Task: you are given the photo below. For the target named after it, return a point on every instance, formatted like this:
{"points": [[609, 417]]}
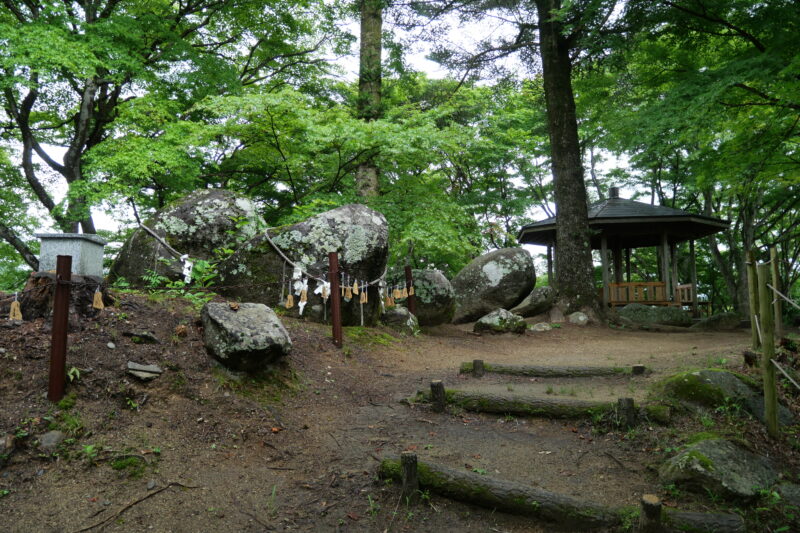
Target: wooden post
{"points": [[673, 254], [550, 281], [477, 368], [638, 370], [617, 260], [604, 266], [768, 352], [752, 294], [693, 273], [626, 410], [628, 265], [412, 299], [776, 282], [665, 264], [650, 517], [336, 299], [58, 343], [438, 400], [409, 477]]}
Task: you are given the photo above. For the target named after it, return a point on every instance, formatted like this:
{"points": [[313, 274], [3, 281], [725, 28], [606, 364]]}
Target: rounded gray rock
{"points": [[401, 320], [196, 225], [435, 298], [361, 236], [499, 279], [539, 301], [248, 338], [500, 321]]}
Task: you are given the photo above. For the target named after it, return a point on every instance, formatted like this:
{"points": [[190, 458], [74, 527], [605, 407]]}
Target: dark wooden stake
{"points": [[627, 412], [437, 395], [410, 479], [477, 368], [650, 518], [777, 303], [752, 296], [638, 370], [412, 299], [58, 344], [768, 352], [336, 299]]}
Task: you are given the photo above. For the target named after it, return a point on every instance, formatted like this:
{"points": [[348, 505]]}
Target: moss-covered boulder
{"points": [[501, 278], [719, 322], [256, 271], [246, 337], [197, 225], [719, 467], [435, 298], [500, 321], [719, 388], [539, 301], [656, 314], [401, 320]]}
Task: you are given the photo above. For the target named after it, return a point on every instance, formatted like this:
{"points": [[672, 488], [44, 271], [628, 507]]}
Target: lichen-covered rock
{"points": [[500, 321], [257, 273], [541, 326], [717, 388], [539, 301], [247, 338], [578, 318], [719, 322], [197, 225], [435, 298], [501, 278], [401, 320], [656, 314], [718, 466]]}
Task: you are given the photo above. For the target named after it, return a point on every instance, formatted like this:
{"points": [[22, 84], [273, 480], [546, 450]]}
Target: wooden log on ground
{"points": [[562, 510], [524, 405], [507, 496], [548, 371]]}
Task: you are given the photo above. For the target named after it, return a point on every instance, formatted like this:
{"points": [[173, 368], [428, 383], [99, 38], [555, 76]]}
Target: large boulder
{"points": [[715, 388], [656, 314], [257, 272], [720, 467], [539, 301], [197, 225], [401, 320], [501, 278], [435, 299], [500, 321], [719, 322], [246, 337]]}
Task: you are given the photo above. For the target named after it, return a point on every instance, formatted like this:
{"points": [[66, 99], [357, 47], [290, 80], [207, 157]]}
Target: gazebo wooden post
{"points": [[693, 265], [617, 256], [550, 280], [604, 266], [628, 265], [673, 254], [665, 263]]}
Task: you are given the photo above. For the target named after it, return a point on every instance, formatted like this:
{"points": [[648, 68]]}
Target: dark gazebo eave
{"points": [[631, 232]]}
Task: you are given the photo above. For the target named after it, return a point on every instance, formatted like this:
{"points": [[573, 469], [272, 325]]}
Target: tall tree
{"points": [[369, 87]]}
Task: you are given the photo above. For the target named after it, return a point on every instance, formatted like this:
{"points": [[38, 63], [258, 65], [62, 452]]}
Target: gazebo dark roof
{"points": [[630, 224]]}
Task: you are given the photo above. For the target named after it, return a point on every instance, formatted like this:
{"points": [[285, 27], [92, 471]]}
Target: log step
{"points": [[551, 371]]}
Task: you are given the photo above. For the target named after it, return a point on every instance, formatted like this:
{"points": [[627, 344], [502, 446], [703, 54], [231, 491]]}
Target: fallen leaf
{"points": [[234, 305], [476, 456], [411, 447], [276, 429], [353, 516]]}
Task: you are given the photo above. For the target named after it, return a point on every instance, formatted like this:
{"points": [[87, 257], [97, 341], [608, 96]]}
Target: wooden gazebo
{"points": [[619, 225]]}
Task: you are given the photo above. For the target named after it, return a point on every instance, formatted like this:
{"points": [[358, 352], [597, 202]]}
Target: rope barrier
{"points": [[778, 366], [779, 293]]}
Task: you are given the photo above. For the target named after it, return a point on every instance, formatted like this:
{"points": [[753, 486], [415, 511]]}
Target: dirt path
{"points": [[251, 458]]}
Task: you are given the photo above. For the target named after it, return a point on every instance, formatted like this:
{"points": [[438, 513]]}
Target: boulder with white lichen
{"points": [[197, 225], [499, 279], [257, 272], [435, 299]]}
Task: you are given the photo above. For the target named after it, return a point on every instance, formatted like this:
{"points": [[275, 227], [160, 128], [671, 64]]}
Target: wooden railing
{"points": [[642, 292]]}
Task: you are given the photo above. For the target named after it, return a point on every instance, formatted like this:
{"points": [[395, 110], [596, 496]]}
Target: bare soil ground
{"points": [[200, 449]]}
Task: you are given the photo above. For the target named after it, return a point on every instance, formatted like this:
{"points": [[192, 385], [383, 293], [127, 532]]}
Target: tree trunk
{"points": [[369, 87], [27, 254], [574, 269]]}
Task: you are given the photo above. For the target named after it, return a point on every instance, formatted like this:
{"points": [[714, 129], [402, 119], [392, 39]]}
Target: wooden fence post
{"points": [[776, 283], [438, 399], [650, 517], [58, 343], [768, 352], [752, 293], [409, 477], [477, 368], [336, 298]]}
